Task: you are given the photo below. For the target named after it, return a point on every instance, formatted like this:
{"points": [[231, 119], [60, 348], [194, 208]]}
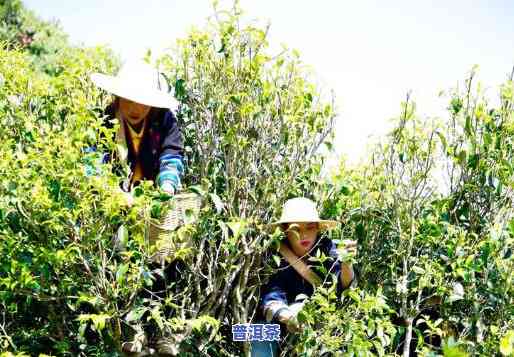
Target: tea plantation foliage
{"points": [[431, 207]]}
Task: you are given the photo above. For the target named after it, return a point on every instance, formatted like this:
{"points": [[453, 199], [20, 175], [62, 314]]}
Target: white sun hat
{"points": [[139, 82], [303, 210]]}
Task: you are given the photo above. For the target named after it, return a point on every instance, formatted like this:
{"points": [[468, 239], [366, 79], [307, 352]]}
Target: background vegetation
{"points": [[431, 207]]}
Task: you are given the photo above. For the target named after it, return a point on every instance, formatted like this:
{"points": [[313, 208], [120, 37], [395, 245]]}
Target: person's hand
{"points": [[347, 250], [350, 246], [288, 318], [293, 325], [168, 188]]}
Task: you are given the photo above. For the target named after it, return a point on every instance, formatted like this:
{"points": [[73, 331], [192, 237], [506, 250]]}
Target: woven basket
{"points": [[183, 208]]}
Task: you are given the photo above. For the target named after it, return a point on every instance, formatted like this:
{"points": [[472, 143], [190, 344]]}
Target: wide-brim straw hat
{"points": [[303, 210], [139, 82]]}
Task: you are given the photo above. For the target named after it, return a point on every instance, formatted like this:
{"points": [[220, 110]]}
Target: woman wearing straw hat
{"points": [[148, 138], [281, 298]]}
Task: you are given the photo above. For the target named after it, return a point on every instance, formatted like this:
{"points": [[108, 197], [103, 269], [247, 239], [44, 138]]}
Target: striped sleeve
{"points": [[171, 169]]}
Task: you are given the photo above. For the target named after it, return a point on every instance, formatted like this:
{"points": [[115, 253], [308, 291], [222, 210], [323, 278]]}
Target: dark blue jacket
{"points": [[286, 283]]}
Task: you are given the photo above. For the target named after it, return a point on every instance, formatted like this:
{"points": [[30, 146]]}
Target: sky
{"points": [[369, 52]]}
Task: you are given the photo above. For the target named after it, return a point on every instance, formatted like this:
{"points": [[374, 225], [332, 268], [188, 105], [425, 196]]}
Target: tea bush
{"points": [[431, 208], [64, 287], [432, 211]]}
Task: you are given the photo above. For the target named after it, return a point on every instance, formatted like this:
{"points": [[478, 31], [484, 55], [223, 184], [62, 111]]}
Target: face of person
{"points": [[133, 112], [302, 236]]}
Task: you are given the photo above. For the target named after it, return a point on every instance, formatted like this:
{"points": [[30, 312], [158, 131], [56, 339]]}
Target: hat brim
{"points": [[149, 97], [324, 225]]}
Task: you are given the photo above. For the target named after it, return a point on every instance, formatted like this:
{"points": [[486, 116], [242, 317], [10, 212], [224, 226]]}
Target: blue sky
{"points": [[369, 52]]}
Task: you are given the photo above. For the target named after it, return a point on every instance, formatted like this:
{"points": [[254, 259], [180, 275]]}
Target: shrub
{"points": [[432, 211], [431, 208], [252, 125]]}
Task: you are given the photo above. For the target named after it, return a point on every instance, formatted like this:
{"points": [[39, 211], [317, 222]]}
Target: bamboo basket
{"points": [[160, 233]]}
